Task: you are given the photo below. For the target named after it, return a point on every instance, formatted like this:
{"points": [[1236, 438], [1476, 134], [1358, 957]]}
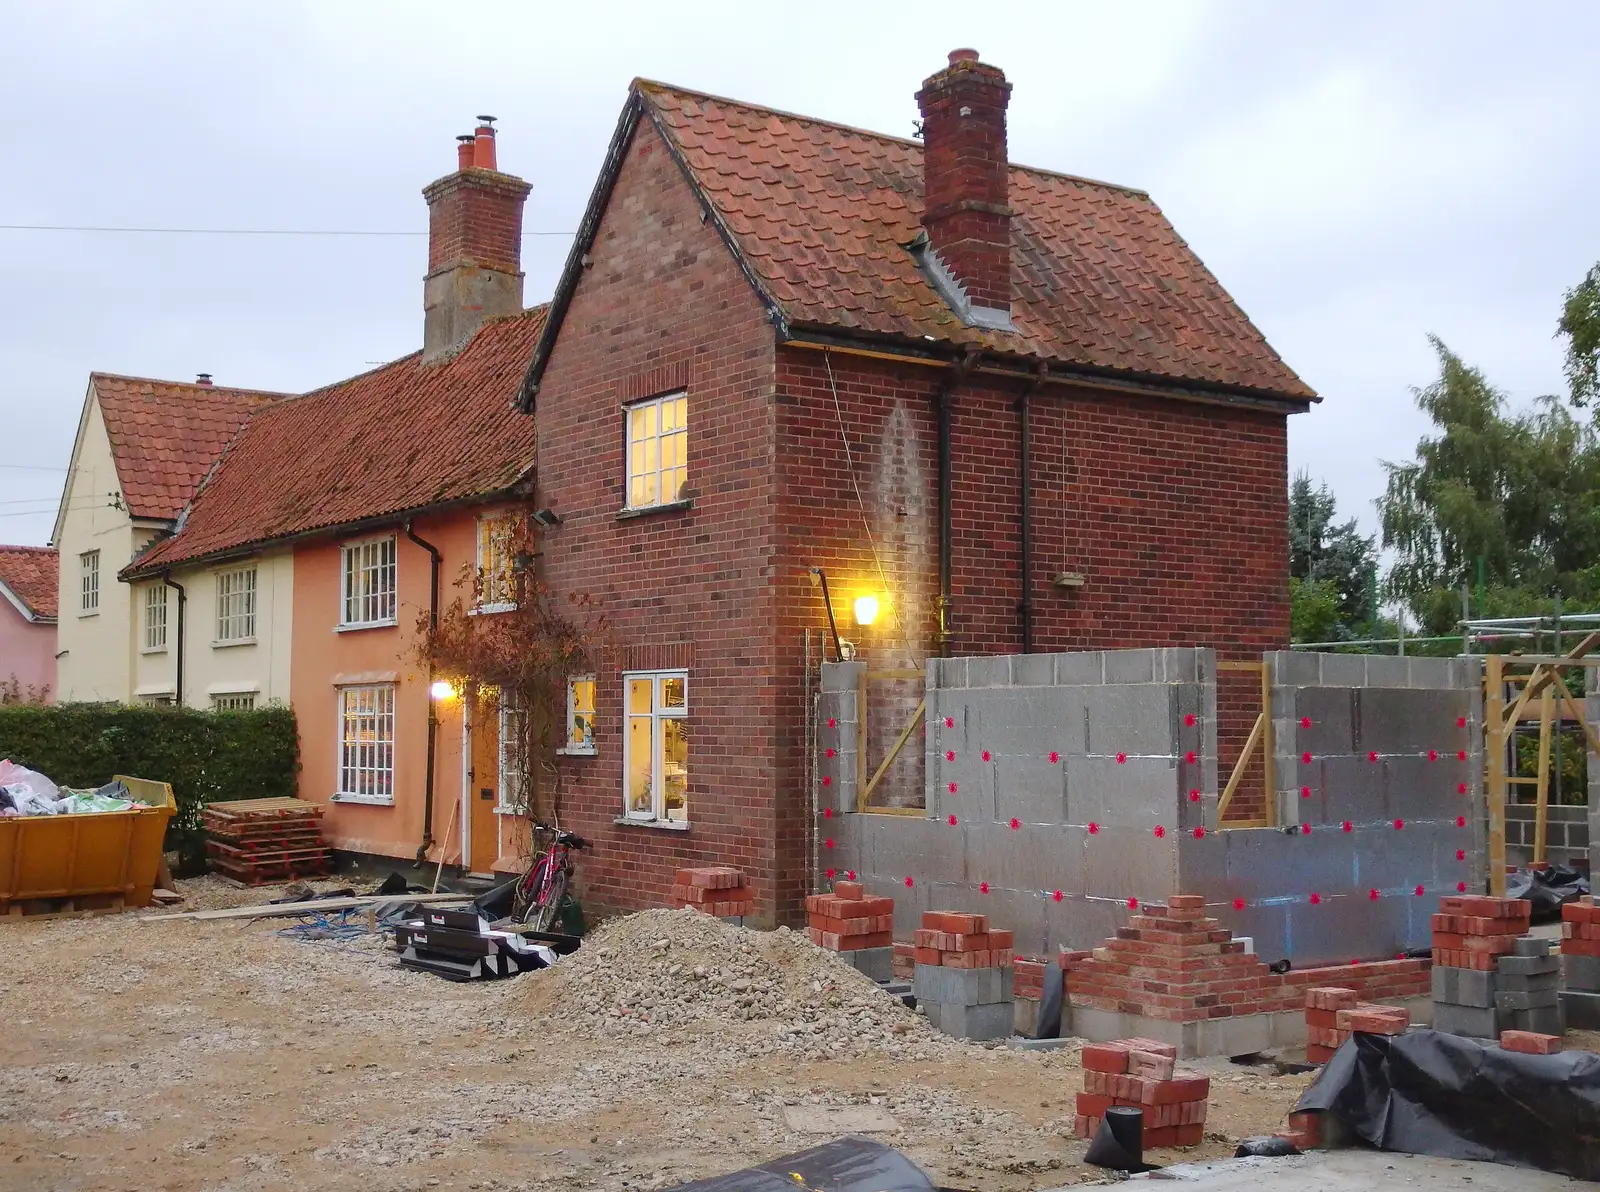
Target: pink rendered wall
{"points": [[27, 650]]}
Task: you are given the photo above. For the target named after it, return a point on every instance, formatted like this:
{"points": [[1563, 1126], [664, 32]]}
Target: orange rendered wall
{"points": [[325, 658]]}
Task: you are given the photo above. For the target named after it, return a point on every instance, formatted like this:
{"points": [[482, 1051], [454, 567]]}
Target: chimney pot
{"points": [[203, 379], [963, 56], [483, 144], [465, 151]]}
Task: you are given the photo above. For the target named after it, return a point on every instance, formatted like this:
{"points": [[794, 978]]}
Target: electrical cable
{"points": [[224, 231], [872, 543]]}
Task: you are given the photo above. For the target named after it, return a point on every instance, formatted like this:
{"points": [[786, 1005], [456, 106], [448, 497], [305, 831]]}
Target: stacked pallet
{"points": [[963, 977], [1333, 1014], [715, 889], [1143, 1074], [257, 842], [1485, 978], [1580, 963], [860, 929]]}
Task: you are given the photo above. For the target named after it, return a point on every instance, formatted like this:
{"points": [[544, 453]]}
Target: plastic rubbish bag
{"points": [[1547, 890], [31, 792]]}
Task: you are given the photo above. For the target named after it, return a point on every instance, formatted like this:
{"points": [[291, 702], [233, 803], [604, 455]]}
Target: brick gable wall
{"points": [[664, 307]]}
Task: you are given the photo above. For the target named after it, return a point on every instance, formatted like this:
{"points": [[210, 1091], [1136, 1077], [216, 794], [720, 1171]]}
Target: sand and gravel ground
{"points": [[224, 1056]]}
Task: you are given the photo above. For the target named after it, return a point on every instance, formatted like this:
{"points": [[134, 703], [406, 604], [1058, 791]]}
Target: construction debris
{"points": [[462, 946], [265, 841], [311, 905]]}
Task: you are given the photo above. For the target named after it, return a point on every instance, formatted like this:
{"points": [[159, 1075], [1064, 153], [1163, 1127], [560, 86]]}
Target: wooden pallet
{"points": [[236, 810], [82, 906], [287, 837], [267, 856], [265, 875]]}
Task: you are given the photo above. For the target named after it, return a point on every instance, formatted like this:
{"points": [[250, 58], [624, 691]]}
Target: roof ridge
{"points": [[909, 142], [96, 374]]}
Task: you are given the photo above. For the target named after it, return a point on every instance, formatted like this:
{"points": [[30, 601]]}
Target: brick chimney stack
{"points": [[965, 178], [474, 245]]}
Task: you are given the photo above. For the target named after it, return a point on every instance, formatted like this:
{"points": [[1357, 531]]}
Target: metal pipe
{"points": [[1025, 505], [827, 603], [942, 405], [433, 717], [183, 604]]}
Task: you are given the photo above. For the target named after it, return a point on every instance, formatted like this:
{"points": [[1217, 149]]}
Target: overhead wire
{"points": [[226, 231]]}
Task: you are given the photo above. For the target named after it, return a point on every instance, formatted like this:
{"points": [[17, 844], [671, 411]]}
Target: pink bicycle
{"points": [[538, 895]]}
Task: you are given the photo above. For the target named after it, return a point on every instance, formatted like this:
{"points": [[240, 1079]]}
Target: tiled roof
{"points": [[165, 435], [821, 214], [403, 437], [30, 574]]}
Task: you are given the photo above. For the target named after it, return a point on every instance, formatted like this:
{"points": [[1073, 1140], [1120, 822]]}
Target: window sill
{"points": [[502, 607], [86, 616], [233, 641], [360, 625], [647, 510], [655, 825], [369, 800], [589, 752], [156, 650]]}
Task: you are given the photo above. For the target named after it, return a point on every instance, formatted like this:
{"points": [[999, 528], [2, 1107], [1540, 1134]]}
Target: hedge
{"points": [[206, 756]]}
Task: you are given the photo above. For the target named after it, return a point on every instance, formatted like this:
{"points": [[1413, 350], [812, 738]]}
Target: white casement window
{"points": [[155, 619], [513, 753], [158, 699], [655, 762], [497, 548], [580, 715], [89, 582], [658, 451], [236, 605], [366, 744], [369, 583], [235, 701]]}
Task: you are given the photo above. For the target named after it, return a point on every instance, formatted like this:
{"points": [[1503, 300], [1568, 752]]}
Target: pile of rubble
{"points": [[678, 976]]}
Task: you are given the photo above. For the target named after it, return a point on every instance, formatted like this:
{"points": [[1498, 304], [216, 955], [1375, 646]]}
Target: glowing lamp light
{"points": [[866, 610], [440, 689]]}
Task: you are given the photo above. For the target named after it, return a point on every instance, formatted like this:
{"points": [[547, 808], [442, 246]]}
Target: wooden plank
{"points": [[1544, 674], [1238, 769], [1268, 761], [1572, 706], [1541, 814], [1494, 755], [905, 735], [917, 811], [277, 910], [1247, 667]]}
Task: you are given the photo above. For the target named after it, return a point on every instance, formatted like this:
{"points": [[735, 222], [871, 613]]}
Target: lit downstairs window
{"points": [[655, 762], [366, 744], [580, 715], [658, 451]]}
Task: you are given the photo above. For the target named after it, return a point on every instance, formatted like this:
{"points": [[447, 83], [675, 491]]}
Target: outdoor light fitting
{"points": [[441, 690], [547, 517], [866, 610]]}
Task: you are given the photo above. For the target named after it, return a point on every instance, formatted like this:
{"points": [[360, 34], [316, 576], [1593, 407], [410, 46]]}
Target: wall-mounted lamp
{"points": [[866, 610], [547, 517], [441, 690]]}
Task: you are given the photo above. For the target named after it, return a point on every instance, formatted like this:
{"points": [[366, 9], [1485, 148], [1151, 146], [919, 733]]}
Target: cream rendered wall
{"points": [[96, 659], [262, 666]]}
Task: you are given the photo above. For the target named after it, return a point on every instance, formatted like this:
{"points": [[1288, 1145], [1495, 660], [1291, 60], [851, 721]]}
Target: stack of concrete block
{"points": [[1530, 1042], [1528, 989], [715, 889], [1580, 964], [860, 929], [1333, 1014], [1486, 978], [963, 978], [1143, 1074]]}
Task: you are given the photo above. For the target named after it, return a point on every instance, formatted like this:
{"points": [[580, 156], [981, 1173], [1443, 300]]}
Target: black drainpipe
{"points": [[433, 718], [183, 601], [942, 402], [1025, 513]]}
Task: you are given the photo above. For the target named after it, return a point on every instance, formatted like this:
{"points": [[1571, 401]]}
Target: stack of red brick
{"points": [[716, 889], [848, 921], [961, 941], [1472, 931], [1580, 928], [1143, 1074], [1333, 1014]]}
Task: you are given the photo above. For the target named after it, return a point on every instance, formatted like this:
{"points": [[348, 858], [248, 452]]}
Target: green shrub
{"points": [[207, 756]]}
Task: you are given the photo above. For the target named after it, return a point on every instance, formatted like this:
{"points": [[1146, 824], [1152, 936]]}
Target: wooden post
{"points": [[1494, 759], [1268, 744], [1541, 814]]}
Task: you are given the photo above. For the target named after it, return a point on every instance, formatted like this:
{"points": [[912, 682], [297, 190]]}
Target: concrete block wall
{"points": [[1093, 756], [1566, 835]]}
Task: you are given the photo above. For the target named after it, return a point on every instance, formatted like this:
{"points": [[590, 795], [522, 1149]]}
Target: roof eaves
{"points": [[30, 614]]}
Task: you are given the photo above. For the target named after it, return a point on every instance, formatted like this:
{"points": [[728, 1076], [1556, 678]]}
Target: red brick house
{"points": [[1011, 404]]}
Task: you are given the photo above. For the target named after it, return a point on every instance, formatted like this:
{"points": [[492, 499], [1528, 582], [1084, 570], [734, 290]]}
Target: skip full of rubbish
{"points": [[28, 792]]}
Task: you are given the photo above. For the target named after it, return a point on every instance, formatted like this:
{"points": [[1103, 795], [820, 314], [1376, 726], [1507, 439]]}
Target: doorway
{"points": [[482, 844]]}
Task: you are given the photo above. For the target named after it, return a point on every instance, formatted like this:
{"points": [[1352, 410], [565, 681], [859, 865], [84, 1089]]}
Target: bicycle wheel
{"points": [[542, 915]]}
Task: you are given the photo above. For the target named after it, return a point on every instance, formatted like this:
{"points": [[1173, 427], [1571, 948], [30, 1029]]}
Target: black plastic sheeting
{"points": [[1547, 889], [1429, 1093], [847, 1165]]}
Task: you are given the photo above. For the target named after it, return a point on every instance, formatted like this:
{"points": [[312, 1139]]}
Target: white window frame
{"points": [[513, 775], [155, 620], [89, 583], [643, 476], [382, 707], [236, 607], [233, 701], [657, 813], [489, 561], [378, 607], [157, 699], [571, 747]]}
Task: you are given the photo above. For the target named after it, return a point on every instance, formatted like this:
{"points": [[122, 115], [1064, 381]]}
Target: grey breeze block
{"points": [[1582, 972], [979, 1023], [962, 987], [1464, 987], [877, 963], [1472, 1021]]}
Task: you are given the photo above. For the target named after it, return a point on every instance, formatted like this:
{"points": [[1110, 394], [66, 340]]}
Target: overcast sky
{"points": [[1356, 175]]}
